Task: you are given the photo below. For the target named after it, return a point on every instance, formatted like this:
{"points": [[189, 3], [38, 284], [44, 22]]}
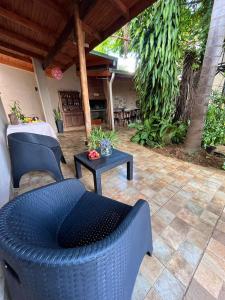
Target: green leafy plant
{"points": [[16, 109], [57, 114], [214, 130], [157, 133], [155, 35], [97, 135]]}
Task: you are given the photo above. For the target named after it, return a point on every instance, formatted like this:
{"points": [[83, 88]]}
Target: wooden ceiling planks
{"points": [[33, 27], [16, 62]]}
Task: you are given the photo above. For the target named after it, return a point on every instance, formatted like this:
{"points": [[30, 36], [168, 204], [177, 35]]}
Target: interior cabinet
{"points": [[71, 108]]}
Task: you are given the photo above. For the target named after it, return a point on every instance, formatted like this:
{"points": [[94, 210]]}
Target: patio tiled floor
{"points": [[188, 219]]}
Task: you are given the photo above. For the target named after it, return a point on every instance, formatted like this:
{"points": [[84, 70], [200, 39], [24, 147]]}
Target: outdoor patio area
{"points": [[188, 218]]}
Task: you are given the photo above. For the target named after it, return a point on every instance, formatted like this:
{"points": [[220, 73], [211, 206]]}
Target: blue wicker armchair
{"points": [[63, 242], [34, 152]]}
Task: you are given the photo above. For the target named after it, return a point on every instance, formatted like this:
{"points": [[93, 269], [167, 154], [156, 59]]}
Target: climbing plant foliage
{"points": [[155, 37]]}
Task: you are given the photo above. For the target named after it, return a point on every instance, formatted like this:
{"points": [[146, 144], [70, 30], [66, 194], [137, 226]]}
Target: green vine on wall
{"points": [[155, 37]]}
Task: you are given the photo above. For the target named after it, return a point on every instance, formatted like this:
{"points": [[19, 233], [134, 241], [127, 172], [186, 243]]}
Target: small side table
{"points": [[99, 166]]}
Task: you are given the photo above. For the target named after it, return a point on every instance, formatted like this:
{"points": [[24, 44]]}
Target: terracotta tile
{"points": [[194, 207], [173, 206], [153, 295], [141, 288], [208, 279], [209, 217], [168, 287], [219, 236], [190, 252], [180, 268], [151, 268], [221, 226], [196, 291], [197, 238], [172, 237], [180, 226], [185, 201], [165, 215], [162, 251], [217, 248], [214, 263], [188, 217], [222, 293], [204, 228], [148, 192]]}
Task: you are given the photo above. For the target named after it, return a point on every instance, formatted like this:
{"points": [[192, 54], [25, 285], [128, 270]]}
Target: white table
{"points": [[38, 128]]}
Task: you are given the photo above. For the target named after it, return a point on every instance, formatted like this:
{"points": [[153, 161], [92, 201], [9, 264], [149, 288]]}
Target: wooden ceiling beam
{"points": [[90, 31], [121, 7], [86, 7], [60, 41], [133, 12], [19, 50], [24, 40], [25, 22], [24, 51], [68, 29], [29, 42], [16, 63], [17, 56], [52, 4]]}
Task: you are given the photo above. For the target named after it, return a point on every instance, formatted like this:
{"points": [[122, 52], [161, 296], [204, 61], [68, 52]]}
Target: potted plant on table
{"points": [[101, 142], [58, 120], [15, 115]]}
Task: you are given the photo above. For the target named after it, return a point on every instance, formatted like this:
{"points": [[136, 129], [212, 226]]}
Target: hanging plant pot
{"points": [[59, 125]]}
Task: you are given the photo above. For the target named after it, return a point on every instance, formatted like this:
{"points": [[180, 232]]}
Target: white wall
{"points": [[5, 171], [124, 94], [69, 82], [19, 85]]}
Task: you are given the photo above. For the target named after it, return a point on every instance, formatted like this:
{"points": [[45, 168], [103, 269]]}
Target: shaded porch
{"points": [[188, 218]]}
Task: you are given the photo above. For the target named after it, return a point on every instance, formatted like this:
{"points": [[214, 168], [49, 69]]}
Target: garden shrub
{"points": [[214, 130], [155, 132]]}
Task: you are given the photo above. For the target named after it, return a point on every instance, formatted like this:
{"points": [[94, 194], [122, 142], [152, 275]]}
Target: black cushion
{"points": [[92, 219]]}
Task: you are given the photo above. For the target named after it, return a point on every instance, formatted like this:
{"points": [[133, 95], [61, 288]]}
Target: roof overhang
{"points": [[44, 29]]}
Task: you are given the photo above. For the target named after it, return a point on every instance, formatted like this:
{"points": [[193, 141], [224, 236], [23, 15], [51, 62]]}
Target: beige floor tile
{"points": [[180, 268], [151, 268], [208, 278], [186, 201]]}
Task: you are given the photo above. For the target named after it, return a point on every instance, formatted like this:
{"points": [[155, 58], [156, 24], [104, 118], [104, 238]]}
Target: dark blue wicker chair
{"points": [[62, 242], [34, 152]]}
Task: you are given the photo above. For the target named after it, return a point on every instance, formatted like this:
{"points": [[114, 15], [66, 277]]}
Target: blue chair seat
{"points": [[62, 242], [92, 219], [34, 152]]}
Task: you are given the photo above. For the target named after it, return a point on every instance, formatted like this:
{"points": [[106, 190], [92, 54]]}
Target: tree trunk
{"points": [[185, 100], [212, 56]]}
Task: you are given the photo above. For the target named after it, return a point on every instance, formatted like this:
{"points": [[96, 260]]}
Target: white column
{"points": [[5, 167], [41, 80], [107, 85], [111, 101]]}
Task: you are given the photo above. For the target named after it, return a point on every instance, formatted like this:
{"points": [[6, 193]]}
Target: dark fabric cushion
{"points": [[92, 219]]}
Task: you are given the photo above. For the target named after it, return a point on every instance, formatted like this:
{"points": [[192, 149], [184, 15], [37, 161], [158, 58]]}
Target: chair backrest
{"points": [[32, 138], [34, 218]]}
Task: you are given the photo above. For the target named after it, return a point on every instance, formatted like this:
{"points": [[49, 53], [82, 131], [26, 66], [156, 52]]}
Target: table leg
{"points": [[97, 183], [78, 169], [130, 170]]}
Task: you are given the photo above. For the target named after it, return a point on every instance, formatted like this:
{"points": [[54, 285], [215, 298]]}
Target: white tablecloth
{"points": [[38, 128]]}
